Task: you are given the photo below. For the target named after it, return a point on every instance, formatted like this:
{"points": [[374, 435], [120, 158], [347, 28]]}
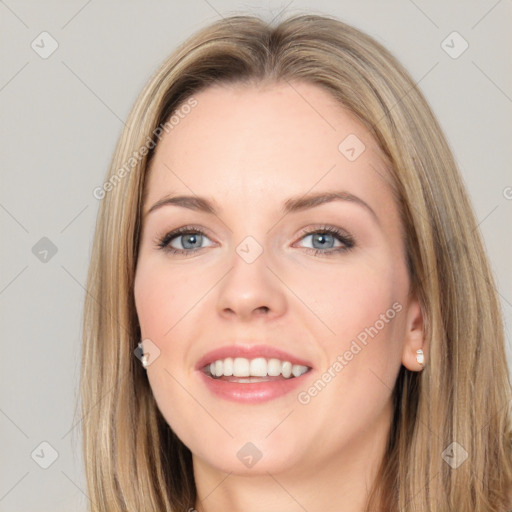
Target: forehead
{"points": [[243, 142]]}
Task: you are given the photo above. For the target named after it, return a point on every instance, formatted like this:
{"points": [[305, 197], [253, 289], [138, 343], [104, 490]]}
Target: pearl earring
{"points": [[420, 358]]}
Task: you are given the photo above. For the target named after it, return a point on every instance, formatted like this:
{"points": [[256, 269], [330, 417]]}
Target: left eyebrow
{"points": [[294, 204], [305, 202]]}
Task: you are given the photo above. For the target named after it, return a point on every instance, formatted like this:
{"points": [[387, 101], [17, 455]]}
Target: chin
{"points": [[250, 460]]}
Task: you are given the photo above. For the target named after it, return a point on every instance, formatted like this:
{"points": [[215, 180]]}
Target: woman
{"points": [[285, 243]]}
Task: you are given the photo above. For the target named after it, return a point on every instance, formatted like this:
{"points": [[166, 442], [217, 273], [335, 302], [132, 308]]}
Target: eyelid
{"points": [[325, 228]]}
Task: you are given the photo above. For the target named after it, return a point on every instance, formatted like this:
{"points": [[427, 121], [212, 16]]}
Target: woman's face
{"points": [[255, 277]]}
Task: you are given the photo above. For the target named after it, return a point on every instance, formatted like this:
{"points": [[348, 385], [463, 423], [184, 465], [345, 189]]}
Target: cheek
{"points": [[350, 298], [152, 306], [361, 301], [160, 299], [363, 306]]}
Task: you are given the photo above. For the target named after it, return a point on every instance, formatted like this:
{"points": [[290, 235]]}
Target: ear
{"points": [[414, 338]]}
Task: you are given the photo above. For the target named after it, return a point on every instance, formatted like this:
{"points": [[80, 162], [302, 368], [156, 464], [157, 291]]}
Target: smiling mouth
{"points": [[259, 369]]}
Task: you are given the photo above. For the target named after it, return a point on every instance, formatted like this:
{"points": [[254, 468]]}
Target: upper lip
{"points": [[249, 352]]}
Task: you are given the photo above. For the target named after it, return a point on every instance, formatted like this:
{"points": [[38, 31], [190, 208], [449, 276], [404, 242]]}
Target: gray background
{"points": [[60, 119]]}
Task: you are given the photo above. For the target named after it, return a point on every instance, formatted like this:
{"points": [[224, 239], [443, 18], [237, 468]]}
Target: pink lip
{"points": [[249, 352], [252, 392]]}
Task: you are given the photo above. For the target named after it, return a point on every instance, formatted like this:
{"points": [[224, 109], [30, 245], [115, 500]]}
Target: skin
{"points": [[250, 148]]}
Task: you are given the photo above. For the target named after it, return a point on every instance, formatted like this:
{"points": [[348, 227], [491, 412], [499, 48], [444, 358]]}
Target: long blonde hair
{"points": [[133, 459]]}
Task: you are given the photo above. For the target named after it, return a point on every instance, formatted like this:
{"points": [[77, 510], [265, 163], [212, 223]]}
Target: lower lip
{"points": [[252, 392]]}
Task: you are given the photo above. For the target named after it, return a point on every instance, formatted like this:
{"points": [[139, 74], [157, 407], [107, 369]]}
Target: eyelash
{"points": [[346, 239]]}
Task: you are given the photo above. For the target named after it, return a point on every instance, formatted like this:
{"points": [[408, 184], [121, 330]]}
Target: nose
{"points": [[251, 290]]}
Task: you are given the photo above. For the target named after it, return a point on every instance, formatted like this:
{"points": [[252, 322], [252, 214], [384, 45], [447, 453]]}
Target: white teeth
{"points": [[228, 367], [258, 367], [240, 367], [287, 370], [297, 370], [274, 367]]}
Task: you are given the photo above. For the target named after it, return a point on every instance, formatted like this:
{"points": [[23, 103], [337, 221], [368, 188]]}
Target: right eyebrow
{"points": [[196, 203]]}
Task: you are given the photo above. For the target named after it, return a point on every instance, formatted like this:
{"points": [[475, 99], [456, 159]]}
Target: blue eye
{"points": [[325, 237], [190, 239]]}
